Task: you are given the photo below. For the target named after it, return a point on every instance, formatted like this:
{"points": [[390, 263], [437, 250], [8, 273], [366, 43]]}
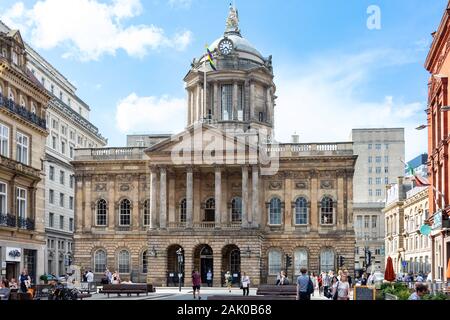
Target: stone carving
{"points": [[300, 185], [233, 20], [100, 178], [125, 187], [125, 177], [326, 184], [275, 185], [236, 185], [100, 187]]}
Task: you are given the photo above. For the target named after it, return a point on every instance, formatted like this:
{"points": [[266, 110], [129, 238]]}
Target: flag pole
{"points": [[204, 92]]}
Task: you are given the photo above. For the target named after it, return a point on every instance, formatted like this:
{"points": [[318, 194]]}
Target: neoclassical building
{"points": [[222, 191]]}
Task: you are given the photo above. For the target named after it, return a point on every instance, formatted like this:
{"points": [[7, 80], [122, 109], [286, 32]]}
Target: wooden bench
{"points": [[273, 290], [252, 298], [81, 296], [127, 289]]}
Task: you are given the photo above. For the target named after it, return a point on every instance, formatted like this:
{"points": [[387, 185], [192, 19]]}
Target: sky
{"points": [[333, 70]]}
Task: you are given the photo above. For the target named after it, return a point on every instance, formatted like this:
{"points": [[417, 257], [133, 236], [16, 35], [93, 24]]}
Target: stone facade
{"points": [[23, 130], [209, 191]]}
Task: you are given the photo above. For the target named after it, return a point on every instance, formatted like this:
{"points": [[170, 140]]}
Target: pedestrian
{"points": [[245, 284], [85, 276], [421, 290], [284, 280], [305, 286], [419, 278], [228, 280], [115, 278], [90, 276], [326, 282], [25, 281], [342, 289], [196, 283], [320, 283], [333, 288], [13, 284], [314, 281], [209, 276], [364, 279], [429, 277], [278, 278]]}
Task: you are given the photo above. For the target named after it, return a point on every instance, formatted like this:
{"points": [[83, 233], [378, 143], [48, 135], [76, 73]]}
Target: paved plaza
{"points": [[184, 295]]}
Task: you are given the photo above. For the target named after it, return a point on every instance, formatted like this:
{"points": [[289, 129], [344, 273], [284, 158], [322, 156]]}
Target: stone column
{"points": [[198, 103], [78, 203], [246, 214], [111, 222], [269, 105], [137, 220], [314, 215], [339, 214], [235, 98], [217, 115], [163, 198], [153, 199], [33, 209], [218, 196], [217, 269], [189, 197], [88, 193], [172, 201], [189, 107], [252, 101], [256, 214], [288, 211]]}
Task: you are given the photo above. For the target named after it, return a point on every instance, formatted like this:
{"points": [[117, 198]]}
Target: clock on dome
{"points": [[226, 46]]}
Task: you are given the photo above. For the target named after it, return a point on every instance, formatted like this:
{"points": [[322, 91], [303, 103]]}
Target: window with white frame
{"points": [[70, 224], [3, 198], [71, 152], [101, 213], [327, 261], [236, 210], [301, 211], [4, 140], [72, 182], [51, 196], [378, 192], [300, 260], [378, 159], [183, 211], [326, 211], [21, 203], [62, 177], [99, 261], [51, 220], [378, 146], [125, 213], [54, 142], [63, 147], [61, 200], [51, 173], [71, 203], [61, 222], [275, 211], [275, 261], [147, 213], [378, 181], [22, 148], [370, 192], [124, 261], [144, 261], [227, 102]]}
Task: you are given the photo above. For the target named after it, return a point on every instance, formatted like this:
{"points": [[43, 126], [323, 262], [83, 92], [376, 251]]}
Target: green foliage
{"points": [[43, 277], [438, 296], [397, 289]]}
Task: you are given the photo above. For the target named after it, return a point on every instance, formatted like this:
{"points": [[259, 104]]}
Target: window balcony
{"points": [[11, 221], [8, 220], [22, 112]]}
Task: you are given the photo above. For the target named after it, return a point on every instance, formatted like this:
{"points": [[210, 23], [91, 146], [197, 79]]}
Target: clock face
{"points": [[226, 46]]}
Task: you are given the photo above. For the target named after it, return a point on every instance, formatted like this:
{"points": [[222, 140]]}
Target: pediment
{"points": [[204, 144]]}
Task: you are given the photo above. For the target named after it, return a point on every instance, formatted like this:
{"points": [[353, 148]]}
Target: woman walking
{"points": [[245, 284], [342, 289]]}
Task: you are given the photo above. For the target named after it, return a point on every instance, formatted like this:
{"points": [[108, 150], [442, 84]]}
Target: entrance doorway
{"points": [[231, 261], [204, 261], [12, 270], [175, 266]]}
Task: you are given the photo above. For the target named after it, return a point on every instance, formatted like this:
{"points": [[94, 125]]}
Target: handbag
{"points": [[310, 289]]}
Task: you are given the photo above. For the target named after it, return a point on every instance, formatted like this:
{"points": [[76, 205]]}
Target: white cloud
{"points": [[89, 29], [180, 3], [322, 100], [151, 114]]}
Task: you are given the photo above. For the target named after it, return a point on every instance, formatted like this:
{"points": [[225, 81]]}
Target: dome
{"points": [[240, 44]]}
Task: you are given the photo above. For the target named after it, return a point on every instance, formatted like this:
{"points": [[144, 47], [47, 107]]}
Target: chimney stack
{"points": [[295, 138]]}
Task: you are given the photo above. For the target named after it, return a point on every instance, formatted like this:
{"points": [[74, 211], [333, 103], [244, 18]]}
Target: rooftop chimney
{"points": [[295, 138]]}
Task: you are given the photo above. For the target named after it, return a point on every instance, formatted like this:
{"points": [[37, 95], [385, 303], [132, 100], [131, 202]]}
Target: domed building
{"points": [[222, 195]]}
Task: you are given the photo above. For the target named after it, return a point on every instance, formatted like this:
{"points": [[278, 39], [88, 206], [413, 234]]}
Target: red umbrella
{"points": [[389, 274]]}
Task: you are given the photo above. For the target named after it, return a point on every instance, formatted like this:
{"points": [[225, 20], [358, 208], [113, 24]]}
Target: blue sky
{"points": [[128, 58]]}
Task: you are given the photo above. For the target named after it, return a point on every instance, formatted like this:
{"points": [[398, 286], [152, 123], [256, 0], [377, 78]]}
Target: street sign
{"points": [[425, 230], [437, 220], [404, 264]]}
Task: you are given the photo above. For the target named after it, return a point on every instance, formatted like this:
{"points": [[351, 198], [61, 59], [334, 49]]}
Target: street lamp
{"points": [[423, 126], [180, 256]]}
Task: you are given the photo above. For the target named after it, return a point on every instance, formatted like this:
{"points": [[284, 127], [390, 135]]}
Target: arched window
{"points": [[211, 204], [11, 95], [144, 261], [326, 211], [22, 102], [210, 210], [146, 213], [124, 261], [183, 213], [125, 213], [99, 261], [33, 108], [301, 211], [236, 210], [274, 257], [101, 213], [300, 260], [275, 212], [327, 260]]}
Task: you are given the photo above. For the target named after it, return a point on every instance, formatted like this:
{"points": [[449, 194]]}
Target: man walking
{"points": [[305, 286]]}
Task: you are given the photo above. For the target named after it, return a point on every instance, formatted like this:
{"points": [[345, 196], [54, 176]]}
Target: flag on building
{"points": [[211, 59]]}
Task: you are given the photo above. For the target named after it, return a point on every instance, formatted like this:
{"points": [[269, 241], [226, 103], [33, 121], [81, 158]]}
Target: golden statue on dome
{"points": [[233, 20]]}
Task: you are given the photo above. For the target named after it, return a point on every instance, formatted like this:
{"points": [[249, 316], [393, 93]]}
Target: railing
{"points": [[23, 112], [135, 153], [11, 221], [345, 148], [8, 220], [177, 225], [233, 225], [204, 225]]}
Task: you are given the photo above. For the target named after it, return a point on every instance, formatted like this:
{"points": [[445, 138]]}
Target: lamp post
{"points": [[180, 266]]}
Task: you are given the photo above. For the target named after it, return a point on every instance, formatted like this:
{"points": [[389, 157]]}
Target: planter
{"points": [[388, 296]]}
